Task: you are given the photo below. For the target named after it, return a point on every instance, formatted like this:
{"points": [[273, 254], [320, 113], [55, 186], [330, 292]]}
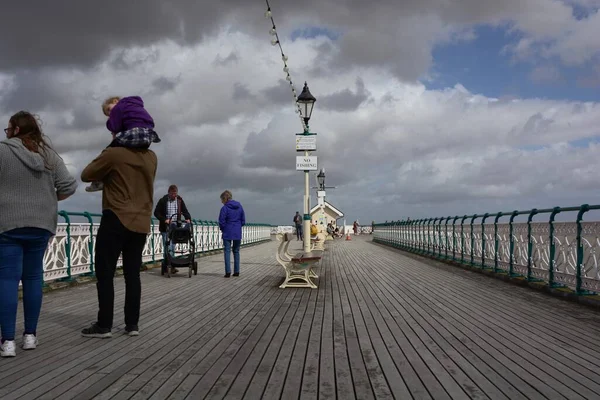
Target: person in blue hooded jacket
{"points": [[231, 220]]}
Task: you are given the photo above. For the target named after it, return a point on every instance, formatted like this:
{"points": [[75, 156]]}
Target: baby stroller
{"points": [[178, 233]]}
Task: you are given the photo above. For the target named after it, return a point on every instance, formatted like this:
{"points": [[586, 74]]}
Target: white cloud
{"points": [[227, 124]]}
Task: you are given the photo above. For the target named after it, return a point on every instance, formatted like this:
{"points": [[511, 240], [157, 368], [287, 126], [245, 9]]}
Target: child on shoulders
{"points": [[130, 124]]}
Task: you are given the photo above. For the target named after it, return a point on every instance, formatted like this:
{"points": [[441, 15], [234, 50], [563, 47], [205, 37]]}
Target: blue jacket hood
{"points": [[233, 205]]}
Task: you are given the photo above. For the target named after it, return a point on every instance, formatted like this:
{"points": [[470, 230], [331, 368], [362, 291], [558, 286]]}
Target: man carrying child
{"points": [[126, 170]]}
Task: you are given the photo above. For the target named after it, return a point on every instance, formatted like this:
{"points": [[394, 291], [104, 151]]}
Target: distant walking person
{"points": [[33, 179], [231, 220], [298, 223]]}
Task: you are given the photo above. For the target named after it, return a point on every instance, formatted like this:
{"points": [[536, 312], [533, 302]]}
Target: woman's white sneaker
{"points": [[30, 342], [8, 349]]}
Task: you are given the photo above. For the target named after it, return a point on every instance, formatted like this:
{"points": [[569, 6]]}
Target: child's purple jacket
{"points": [[129, 113]]}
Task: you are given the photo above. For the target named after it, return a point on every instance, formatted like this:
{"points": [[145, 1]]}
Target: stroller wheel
{"points": [[190, 272], [195, 267]]}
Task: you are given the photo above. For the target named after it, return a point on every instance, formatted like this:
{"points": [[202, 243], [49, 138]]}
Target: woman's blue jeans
{"points": [[21, 259], [236, 255]]}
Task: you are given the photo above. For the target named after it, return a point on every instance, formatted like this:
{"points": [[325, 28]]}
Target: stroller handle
{"points": [[178, 222]]}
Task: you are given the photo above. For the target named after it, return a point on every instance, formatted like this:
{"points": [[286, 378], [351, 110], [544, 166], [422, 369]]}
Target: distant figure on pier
{"points": [[127, 202], [355, 227], [33, 178], [130, 124], [298, 224], [171, 204], [231, 220]]}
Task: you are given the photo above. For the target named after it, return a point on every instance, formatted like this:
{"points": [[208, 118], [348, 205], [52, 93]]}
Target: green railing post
{"points": [[454, 238], [90, 241], [485, 216], [447, 240], [65, 215], [473, 239], [152, 244], [584, 208], [462, 239], [431, 236], [552, 255], [530, 243], [195, 230], [496, 241], [440, 238], [511, 244]]}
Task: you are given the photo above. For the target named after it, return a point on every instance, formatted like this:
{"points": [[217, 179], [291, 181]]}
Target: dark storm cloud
{"points": [[279, 94], [164, 84], [345, 100], [397, 35], [241, 92], [34, 91], [78, 33], [230, 59]]}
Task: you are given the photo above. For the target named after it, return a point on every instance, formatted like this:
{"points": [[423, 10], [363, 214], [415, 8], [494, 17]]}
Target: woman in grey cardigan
{"points": [[33, 178]]}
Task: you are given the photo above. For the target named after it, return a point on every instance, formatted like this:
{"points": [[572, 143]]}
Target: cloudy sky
{"points": [[424, 107]]}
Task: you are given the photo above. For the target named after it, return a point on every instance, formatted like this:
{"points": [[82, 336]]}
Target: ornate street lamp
{"points": [[321, 178], [306, 101]]}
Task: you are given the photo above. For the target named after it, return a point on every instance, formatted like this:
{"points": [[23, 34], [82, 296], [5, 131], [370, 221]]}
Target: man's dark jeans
{"points": [[112, 239], [299, 231]]}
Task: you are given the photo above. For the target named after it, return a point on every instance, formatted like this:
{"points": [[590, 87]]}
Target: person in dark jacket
{"points": [[231, 220], [170, 206]]}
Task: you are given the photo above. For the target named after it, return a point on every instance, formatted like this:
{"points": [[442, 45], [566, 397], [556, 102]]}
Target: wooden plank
{"points": [[49, 372], [541, 364], [360, 378], [310, 375], [375, 355], [238, 375], [343, 375], [293, 379], [327, 384], [445, 286], [178, 360], [280, 367], [268, 362], [210, 368]]}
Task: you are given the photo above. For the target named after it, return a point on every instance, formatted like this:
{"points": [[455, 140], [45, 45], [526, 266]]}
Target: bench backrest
{"points": [[284, 241]]}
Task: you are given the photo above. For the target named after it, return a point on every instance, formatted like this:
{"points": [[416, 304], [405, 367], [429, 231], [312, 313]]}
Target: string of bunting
{"points": [[275, 41]]}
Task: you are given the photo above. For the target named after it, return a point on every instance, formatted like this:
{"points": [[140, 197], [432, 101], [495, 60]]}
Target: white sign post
{"points": [[306, 163]]}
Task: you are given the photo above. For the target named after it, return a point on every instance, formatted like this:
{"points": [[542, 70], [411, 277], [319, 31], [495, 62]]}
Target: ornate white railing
{"points": [[68, 253], [558, 253]]}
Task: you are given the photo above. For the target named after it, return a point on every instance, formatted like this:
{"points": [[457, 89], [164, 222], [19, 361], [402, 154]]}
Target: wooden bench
{"points": [[298, 267], [317, 242]]}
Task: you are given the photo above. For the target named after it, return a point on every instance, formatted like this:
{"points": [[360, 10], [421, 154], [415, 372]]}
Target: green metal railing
{"points": [[561, 254], [71, 251]]}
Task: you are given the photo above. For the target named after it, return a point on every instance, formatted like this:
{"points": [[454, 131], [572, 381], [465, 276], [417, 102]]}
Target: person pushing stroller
{"points": [[169, 205]]}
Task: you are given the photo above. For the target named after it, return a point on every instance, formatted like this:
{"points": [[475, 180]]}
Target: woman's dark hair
{"points": [[31, 134]]}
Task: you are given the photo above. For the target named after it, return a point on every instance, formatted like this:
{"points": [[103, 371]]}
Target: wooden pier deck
{"points": [[381, 325]]}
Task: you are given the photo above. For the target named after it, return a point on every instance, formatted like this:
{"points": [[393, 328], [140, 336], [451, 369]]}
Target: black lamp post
{"points": [[321, 178], [306, 101]]}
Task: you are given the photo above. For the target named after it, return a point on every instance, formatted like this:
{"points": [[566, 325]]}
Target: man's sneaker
{"points": [[8, 349], [132, 330], [95, 331], [30, 342]]}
